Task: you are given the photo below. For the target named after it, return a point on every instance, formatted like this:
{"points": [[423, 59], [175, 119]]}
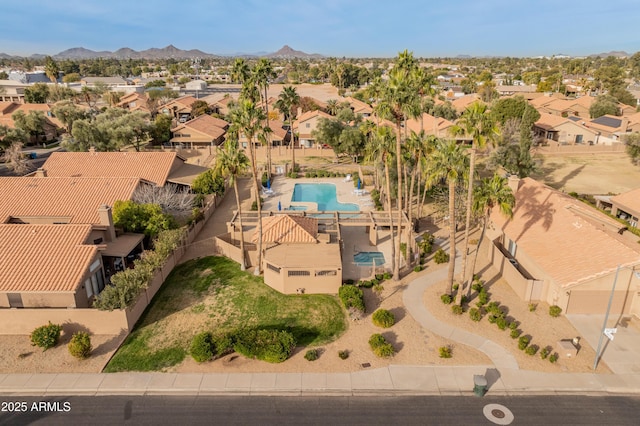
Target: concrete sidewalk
{"points": [[392, 380]]}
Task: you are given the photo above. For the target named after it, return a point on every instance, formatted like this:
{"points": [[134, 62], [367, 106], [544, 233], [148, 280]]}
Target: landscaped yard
{"points": [[212, 294]]}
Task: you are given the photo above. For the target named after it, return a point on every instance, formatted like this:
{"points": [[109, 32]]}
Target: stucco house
{"points": [[297, 257], [559, 250], [564, 130], [624, 206], [179, 108], [61, 231], [305, 124], [201, 132], [431, 125]]}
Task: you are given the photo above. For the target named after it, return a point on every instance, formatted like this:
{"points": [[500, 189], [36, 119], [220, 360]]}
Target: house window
{"points": [[273, 268], [299, 274], [512, 248], [15, 300], [308, 125], [326, 273]]}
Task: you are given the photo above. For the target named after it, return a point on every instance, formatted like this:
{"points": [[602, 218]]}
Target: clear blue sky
{"points": [[330, 27]]}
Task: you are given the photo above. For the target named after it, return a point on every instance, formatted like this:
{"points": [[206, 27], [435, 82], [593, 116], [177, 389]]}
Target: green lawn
{"points": [[213, 294]]}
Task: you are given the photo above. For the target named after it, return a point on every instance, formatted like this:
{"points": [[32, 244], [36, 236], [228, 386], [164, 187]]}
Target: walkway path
{"points": [[413, 301]]}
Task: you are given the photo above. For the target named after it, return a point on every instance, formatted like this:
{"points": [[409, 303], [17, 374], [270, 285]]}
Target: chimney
{"points": [[624, 124], [106, 219], [92, 150], [514, 183], [40, 172]]}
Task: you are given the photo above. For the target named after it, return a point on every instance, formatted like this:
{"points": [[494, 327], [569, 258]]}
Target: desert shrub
{"points": [[417, 268], [266, 345], [348, 282], [383, 318], [311, 355], [513, 325], [307, 175], [492, 318], [426, 245], [380, 346], [501, 323], [446, 299], [80, 345], [475, 314], [441, 256], [532, 307], [46, 336], [515, 333], [351, 297], [380, 277], [483, 296], [555, 311], [523, 342], [455, 287], [494, 309], [343, 354], [386, 276], [553, 358], [544, 353], [457, 309], [202, 347], [365, 283], [222, 344], [445, 352], [531, 350], [464, 299], [477, 286]]}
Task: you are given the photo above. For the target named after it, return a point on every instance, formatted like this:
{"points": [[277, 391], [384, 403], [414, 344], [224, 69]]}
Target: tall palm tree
{"points": [[51, 69], [332, 106], [450, 163], [231, 161], [398, 101], [286, 102], [262, 73], [247, 118], [492, 192], [240, 71], [477, 124], [379, 150]]}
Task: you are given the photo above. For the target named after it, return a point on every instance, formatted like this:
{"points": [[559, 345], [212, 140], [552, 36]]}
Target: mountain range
{"points": [[165, 53]]}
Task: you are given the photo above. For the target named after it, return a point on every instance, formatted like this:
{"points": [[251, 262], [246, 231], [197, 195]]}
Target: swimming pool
{"points": [[323, 194], [368, 258]]}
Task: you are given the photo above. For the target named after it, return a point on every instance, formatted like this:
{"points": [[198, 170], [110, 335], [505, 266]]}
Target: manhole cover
{"points": [[366, 365], [498, 414]]}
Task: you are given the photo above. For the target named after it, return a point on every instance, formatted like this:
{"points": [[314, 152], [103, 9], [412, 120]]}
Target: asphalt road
{"points": [[302, 410]]}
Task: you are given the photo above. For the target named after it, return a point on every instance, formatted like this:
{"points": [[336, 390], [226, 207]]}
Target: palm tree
{"points": [[247, 118], [262, 73], [332, 106], [450, 163], [492, 192], [287, 100], [480, 126], [231, 161], [240, 71], [379, 150], [398, 101], [51, 69]]}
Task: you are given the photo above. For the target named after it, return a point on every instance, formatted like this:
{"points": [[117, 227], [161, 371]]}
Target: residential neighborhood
{"points": [[324, 224]]}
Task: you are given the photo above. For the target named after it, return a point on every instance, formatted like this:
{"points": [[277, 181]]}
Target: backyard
{"points": [[212, 294]]}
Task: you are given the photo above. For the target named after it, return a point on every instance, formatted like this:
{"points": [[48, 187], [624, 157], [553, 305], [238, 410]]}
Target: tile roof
{"points": [[278, 131], [284, 229], [629, 199], [549, 121], [205, 124], [61, 197], [154, 167], [563, 236], [44, 258], [429, 124]]}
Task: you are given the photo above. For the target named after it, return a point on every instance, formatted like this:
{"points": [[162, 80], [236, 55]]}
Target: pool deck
{"points": [[355, 238], [346, 193]]}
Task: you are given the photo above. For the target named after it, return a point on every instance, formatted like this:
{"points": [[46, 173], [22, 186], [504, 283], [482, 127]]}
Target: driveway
{"points": [[622, 354]]}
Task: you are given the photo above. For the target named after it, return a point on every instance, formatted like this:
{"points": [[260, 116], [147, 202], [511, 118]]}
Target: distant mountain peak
{"points": [[288, 52]]}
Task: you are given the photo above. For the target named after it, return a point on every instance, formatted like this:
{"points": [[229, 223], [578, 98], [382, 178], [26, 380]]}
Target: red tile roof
{"points": [[44, 258], [283, 229]]}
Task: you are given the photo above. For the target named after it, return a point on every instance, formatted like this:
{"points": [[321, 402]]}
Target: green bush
{"points": [[426, 245], [343, 354], [523, 342], [417, 268], [351, 297], [202, 347], [483, 297], [464, 299], [222, 344], [380, 277], [445, 352], [267, 345], [441, 256], [46, 336], [532, 307], [477, 286], [311, 355], [80, 345], [531, 350], [513, 325], [457, 309], [386, 276], [515, 333], [553, 358], [446, 299], [380, 346], [544, 353], [555, 311], [383, 318], [502, 323], [475, 314]]}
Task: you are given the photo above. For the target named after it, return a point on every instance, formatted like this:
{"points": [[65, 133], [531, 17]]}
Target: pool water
{"points": [[368, 258], [323, 194]]}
